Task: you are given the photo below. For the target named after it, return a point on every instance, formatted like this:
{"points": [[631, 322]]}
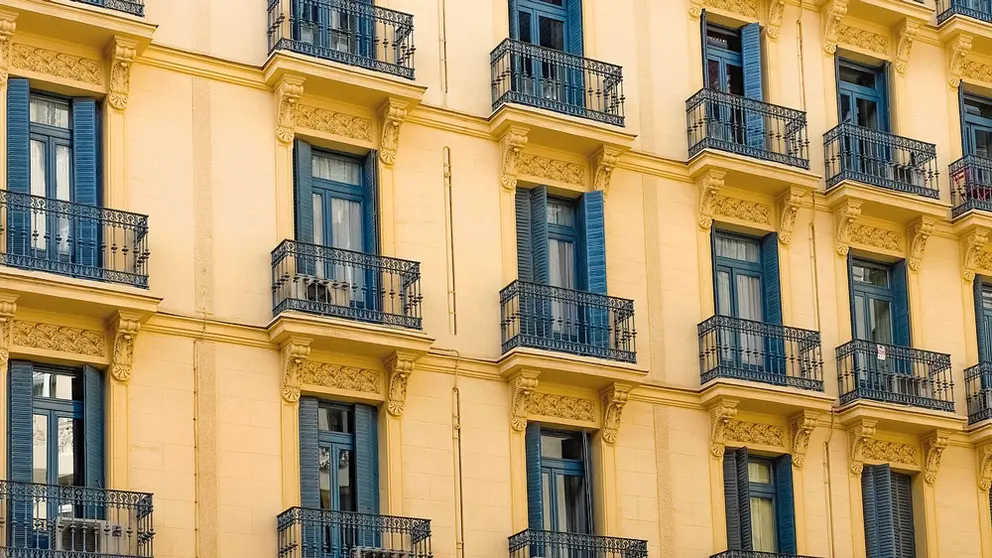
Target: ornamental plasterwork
{"points": [[920, 232], [51, 337], [833, 15], [562, 406], [8, 306], [874, 236], [350, 378], [392, 114], [907, 34], [398, 370], [892, 452], [8, 23], [755, 433], [846, 218], [955, 64], [984, 452], [802, 426], [58, 64], [789, 206], [333, 122], [125, 328], [603, 164], [983, 261], [743, 210], [933, 449], [858, 437], [121, 53], [294, 357], [776, 9], [747, 8], [613, 400], [972, 246], [709, 187], [863, 39], [976, 71], [551, 169], [522, 387], [721, 415], [287, 95], [511, 143]]}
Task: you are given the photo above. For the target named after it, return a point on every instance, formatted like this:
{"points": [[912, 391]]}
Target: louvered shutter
{"points": [[876, 496], [20, 421], [775, 361], [587, 472], [539, 233], [575, 87], [370, 229], [900, 311], [85, 182], [309, 454], [18, 165], [535, 504], [705, 50], [966, 147], [902, 515], [737, 499], [883, 110], [367, 458], [525, 254], [785, 505], [303, 206], [94, 419], [753, 88], [983, 321], [870, 511], [592, 228], [744, 498], [515, 20], [850, 295]]}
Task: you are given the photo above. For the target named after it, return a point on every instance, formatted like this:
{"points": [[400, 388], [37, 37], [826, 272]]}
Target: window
{"points": [[732, 64], [887, 497], [879, 305], [976, 128], [335, 27], [862, 95], [759, 502], [555, 25], [559, 494], [983, 318]]}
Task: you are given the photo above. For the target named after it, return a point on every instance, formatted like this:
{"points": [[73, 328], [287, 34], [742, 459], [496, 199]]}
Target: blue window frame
{"points": [[336, 27], [764, 495], [976, 133], [563, 267], [887, 499], [862, 95], [983, 319], [57, 409], [559, 493], [873, 302], [51, 174], [759, 502], [555, 25], [738, 276], [335, 458], [724, 59]]}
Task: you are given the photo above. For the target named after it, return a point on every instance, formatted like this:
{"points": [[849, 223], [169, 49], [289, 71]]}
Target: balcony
{"points": [[755, 554], [317, 533], [977, 9], [533, 543], [344, 284], [74, 240], [563, 320], [880, 159], [45, 521], [978, 392], [759, 352], [350, 32], [971, 185], [550, 79], [735, 124], [133, 7], [894, 374]]}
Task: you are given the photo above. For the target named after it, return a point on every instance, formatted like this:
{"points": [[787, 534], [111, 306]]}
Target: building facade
{"points": [[478, 278]]}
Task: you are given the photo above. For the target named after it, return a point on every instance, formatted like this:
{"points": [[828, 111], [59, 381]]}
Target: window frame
{"points": [[868, 292], [552, 467], [336, 442], [328, 190], [974, 123], [767, 491], [734, 267], [879, 94], [722, 56], [55, 409]]}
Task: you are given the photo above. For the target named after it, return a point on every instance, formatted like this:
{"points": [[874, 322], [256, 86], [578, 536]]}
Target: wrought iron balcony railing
{"points": [[978, 9], [718, 120], [533, 543], [880, 159], [557, 81], [577, 322], [42, 521], [755, 351], [345, 284], [755, 554], [894, 374], [317, 533], [133, 7], [978, 390], [351, 32], [971, 185], [74, 240]]}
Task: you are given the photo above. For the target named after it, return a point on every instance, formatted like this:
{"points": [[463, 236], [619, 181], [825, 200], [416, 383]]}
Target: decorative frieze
{"points": [[976, 71], [613, 400], [333, 122], [709, 185], [755, 433], [933, 449], [57, 64], [742, 210], [511, 143], [748, 8], [863, 39], [868, 235], [121, 54], [64, 339], [287, 95], [522, 387], [562, 406], [891, 452], [392, 114], [983, 261], [551, 169], [802, 426], [349, 378], [721, 416]]}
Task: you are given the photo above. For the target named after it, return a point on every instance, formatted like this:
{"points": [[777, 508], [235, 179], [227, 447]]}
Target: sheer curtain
{"points": [[763, 536], [38, 232], [561, 254], [749, 308], [346, 234]]}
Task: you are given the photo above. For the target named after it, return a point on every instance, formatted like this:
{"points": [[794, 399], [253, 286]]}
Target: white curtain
{"points": [[337, 169], [763, 525], [38, 230], [561, 256], [63, 164], [749, 308], [346, 234]]}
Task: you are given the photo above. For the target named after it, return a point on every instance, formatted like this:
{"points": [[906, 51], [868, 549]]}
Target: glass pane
{"points": [[63, 164], [346, 492], [857, 77], [523, 22], [881, 321], [337, 169], [571, 494], [759, 472], [50, 112], [324, 477], [763, 536], [860, 321], [552, 33], [42, 384], [749, 298], [713, 74], [546, 499], [39, 178], [725, 39], [723, 302], [67, 452], [875, 276], [736, 248], [561, 214], [334, 419], [66, 387], [318, 219], [40, 454], [845, 108], [735, 80], [561, 447], [346, 224], [561, 256], [867, 114]]}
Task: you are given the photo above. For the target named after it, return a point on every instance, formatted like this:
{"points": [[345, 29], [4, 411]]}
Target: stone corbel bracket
{"points": [[392, 115], [125, 327], [399, 366], [971, 245], [709, 185], [613, 400], [846, 216], [802, 426], [955, 62], [511, 144], [8, 24], [776, 9], [121, 53], [8, 307], [295, 352], [603, 163], [720, 415], [857, 436], [933, 449], [833, 15], [522, 387], [984, 452], [907, 31], [287, 94], [919, 232], [789, 205]]}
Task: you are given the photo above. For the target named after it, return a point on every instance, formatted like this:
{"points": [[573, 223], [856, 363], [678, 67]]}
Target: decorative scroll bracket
{"points": [[984, 452], [695, 8], [857, 437], [709, 185], [393, 115], [295, 352], [603, 163], [8, 24], [125, 326], [511, 143], [522, 386], [835, 13], [920, 232], [720, 415], [288, 94], [971, 245], [789, 206], [958, 55], [907, 34], [398, 369], [846, 217], [802, 426], [933, 449], [776, 9], [121, 54], [613, 400], [8, 307]]}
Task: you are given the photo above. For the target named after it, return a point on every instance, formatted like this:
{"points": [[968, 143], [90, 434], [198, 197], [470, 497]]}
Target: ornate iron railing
{"points": [[718, 120], [978, 391], [755, 554], [133, 7], [554, 80], [42, 521], [880, 159], [971, 184], [317, 533], [894, 374], [978, 9], [533, 543], [73, 239], [345, 284], [347, 31], [577, 322], [755, 351]]}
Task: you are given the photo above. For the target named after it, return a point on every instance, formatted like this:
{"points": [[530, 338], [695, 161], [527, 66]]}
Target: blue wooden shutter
{"points": [[587, 476], [18, 165], [535, 504], [902, 515], [785, 514], [966, 148], [705, 48], [737, 499], [93, 424], [983, 321], [20, 419], [303, 208], [367, 458], [850, 295], [85, 178], [870, 506], [309, 458], [370, 193], [771, 279], [744, 498], [876, 496], [593, 230], [900, 313], [716, 274], [573, 31], [883, 109], [514, 20], [525, 254], [539, 233], [751, 54]]}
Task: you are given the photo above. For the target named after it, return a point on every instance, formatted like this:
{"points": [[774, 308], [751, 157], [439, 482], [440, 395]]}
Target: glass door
{"points": [[564, 488], [336, 26], [874, 303], [543, 23], [50, 231], [862, 101], [725, 73], [739, 295], [336, 477], [977, 136], [338, 222], [563, 270]]}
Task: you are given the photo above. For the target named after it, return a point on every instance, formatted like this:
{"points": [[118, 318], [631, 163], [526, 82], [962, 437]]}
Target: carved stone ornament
{"points": [[920, 232], [863, 39], [955, 64], [334, 376], [603, 164], [971, 246], [776, 9], [562, 406], [294, 357], [857, 437], [522, 388], [64, 339], [983, 261], [8, 307], [846, 218], [333, 122], [747, 8], [126, 328], [907, 34], [511, 143], [892, 452], [287, 94], [755, 433], [788, 210], [802, 426], [8, 24], [398, 370], [392, 114], [121, 54], [695, 8], [57, 64], [551, 169], [834, 14], [933, 449], [984, 452], [742, 210], [613, 401], [709, 185], [976, 71], [720, 416], [875, 237]]}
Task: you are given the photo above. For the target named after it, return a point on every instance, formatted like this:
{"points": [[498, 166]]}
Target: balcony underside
{"points": [[81, 22]]}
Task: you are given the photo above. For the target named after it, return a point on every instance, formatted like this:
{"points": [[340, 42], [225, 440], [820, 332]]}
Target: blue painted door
{"points": [[565, 496], [724, 72], [51, 173], [549, 24], [976, 138], [335, 27], [738, 290], [563, 269], [862, 101], [336, 474]]}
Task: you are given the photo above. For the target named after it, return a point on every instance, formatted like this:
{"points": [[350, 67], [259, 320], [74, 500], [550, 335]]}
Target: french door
{"points": [[545, 23], [738, 285], [861, 98]]}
